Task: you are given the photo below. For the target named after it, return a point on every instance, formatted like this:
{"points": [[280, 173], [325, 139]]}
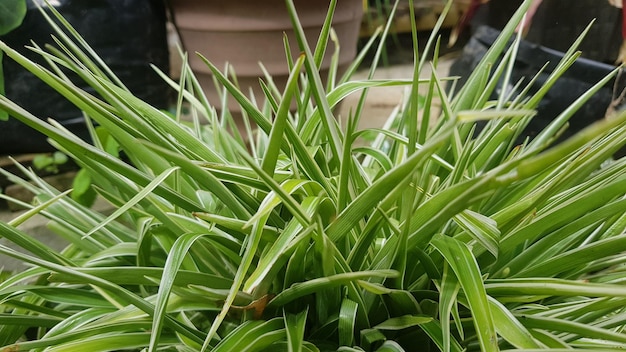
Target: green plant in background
{"points": [[380, 8], [432, 237], [12, 13], [49, 162]]}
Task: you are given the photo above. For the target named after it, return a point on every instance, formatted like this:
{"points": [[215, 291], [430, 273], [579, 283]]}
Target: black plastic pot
{"points": [[557, 23], [581, 76], [128, 35]]}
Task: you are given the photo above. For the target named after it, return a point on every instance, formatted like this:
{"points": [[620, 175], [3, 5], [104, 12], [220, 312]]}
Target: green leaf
{"points": [[469, 92], [42, 161], [109, 343], [347, 321], [551, 287], [482, 228], [595, 349], [12, 13], [370, 338], [331, 128], [276, 135], [293, 234], [119, 291], [231, 197], [249, 250], [133, 201], [365, 201], [434, 331], [577, 330], [374, 288], [467, 272], [295, 325], [31, 244], [576, 257], [553, 155], [59, 338], [170, 270], [253, 336], [18, 220], [91, 156], [403, 322], [82, 192], [510, 328], [390, 346], [144, 276], [308, 287], [448, 299], [70, 296], [28, 320]]}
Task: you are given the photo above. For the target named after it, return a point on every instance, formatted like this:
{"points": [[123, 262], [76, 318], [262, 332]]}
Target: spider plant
{"points": [[433, 237]]}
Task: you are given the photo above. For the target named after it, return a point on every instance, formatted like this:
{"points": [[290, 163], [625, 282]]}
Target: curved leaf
{"points": [[467, 271]]}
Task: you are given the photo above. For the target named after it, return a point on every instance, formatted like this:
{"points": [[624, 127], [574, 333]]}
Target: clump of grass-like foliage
{"points": [[431, 237]]}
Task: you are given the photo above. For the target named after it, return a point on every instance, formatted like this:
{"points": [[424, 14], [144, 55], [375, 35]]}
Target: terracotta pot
{"points": [[246, 32]]}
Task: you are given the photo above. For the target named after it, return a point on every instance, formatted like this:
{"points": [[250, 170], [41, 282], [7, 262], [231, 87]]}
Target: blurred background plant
{"points": [[434, 236], [49, 163], [12, 13]]}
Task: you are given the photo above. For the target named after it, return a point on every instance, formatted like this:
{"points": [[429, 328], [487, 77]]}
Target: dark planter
{"points": [[557, 23], [583, 74], [129, 35]]}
